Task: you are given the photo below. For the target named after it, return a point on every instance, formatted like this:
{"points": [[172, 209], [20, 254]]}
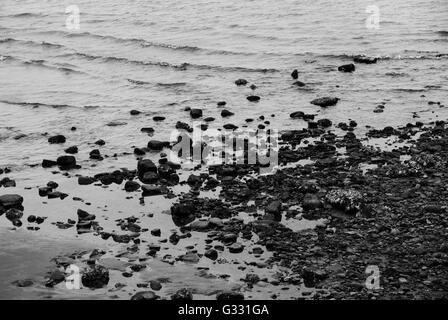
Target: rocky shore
{"points": [[310, 230]]}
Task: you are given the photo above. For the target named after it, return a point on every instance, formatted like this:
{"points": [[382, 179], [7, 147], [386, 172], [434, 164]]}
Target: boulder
{"points": [[241, 82], [196, 113], [95, 277], [66, 162], [347, 68], [57, 139], [325, 101]]}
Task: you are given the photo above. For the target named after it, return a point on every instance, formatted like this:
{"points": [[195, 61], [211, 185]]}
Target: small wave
{"points": [[396, 74], [37, 104], [30, 42], [174, 84], [138, 82], [25, 15], [423, 56]]}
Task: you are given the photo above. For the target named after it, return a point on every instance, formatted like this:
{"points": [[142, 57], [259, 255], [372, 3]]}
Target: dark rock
{"points": [[158, 118], [253, 98], [149, 177], [95, 277], [349, 200], [139, 152], [325, 123], [57, 139], [71, 150], [229, 295], [147, 130], [8, 201], [311, 276], [236, 248], [44, 191], [297, 114], [100, 142], [241, 82], [83, 181], [48, 163], [226, 113], [156, 232], [196, 113], [66, 162], [155, 285], [295, 74], [183, 214], [96, 155], [151, 190], [158, 145], [182, 294], [299, 84], [230, 126], [209, 119], [85, 216], [145, 295], [347, 68], [144, 166], [131, 186], [275, 207], [23, 283], [135, 112], [212, 254], [325, 101], [14, 214], [311, 201], [221, 103]]}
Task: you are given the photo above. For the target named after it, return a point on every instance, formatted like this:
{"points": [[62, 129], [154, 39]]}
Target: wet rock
{"points": [[156, 232], [209, 119], [66, 162], [95, 277], [85, 216], [48, 163], [7, 183], [221, 103], [194, 180], [158, 145], [230, 126], [57, 194], [57, 139], [236, 248], [241, 82], [155, 285], [312, 276], [297, 115], [226, 113], [144, 166], [229, 295], [151, 190], [183, 126], [252, 278], [182, 294], [8, 201], [275, 208], [31, 219], [147, 130], [131, 186], [325, 123], [145, 295], [350, 201], [253, 98], [139, 152], [212, 254], [158, 118], [57, 276], [183, 214], [135, 112], [190, 257], [71, 150], [14, 214], [83, 181], [100, 142], [295, 74], [149, 177], [23, 283], [347, 67], [196, 113], [95, 154], [325, 101], [363, 59]]}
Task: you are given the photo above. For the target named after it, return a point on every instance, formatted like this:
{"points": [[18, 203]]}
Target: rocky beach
{"points": [[106, 192]]}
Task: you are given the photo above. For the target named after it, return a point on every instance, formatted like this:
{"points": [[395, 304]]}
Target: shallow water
{"points": [[162, 56]]}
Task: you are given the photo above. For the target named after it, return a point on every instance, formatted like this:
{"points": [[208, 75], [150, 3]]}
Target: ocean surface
{"points": [[160, 57]]}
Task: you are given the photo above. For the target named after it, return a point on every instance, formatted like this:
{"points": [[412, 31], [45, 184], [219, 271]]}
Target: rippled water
{"points": [[162, 56]]}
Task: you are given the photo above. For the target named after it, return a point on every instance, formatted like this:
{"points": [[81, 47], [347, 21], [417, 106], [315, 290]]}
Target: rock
{"points": [[158, 145], [196, 113], [31, 219], [57, 139], [57, 194], [57, 276], [182, 214], [209, 119], [236, 248], [348, 200], [151, 190], [66, 162], [295, 74], [48, 163], [297, 114], [325, 101], [221, 103], [182, 294], [156, 232], [8, 201], [95, 154], [252, 278], [135, 112], [14, 214], [139, 152], [325, 123], [347, 68], [158, 118], [149, 177], [241, 82], [71, 150], [145, 295], [95, 277], [7, 183], [85, 216], [183, 126], [194, 180], [230, 126], [100, 142], [147, 130], [212, 254], [229, 295], [363, 59], [226, 113], [131, 186], [199, 225], [83, 181], [311, 201], [311, 276], [190, 257], [144, 166], [155, 285], [253, 98]]}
